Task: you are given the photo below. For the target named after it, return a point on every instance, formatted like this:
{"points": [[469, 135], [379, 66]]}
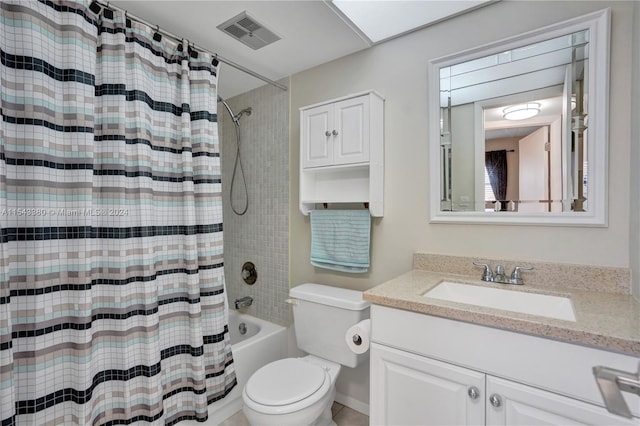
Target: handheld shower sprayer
{"points": [[235, 117], [238, 163], [246, 111]]}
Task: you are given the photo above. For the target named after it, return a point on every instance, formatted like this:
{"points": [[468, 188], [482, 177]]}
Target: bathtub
{"points": [[261, 343]]}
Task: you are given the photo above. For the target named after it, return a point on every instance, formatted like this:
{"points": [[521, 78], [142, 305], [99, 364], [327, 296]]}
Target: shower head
{"points": [[235, 117], [246, 111]]}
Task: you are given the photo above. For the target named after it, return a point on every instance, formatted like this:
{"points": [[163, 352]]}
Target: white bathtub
{"points": [[262, 343]]}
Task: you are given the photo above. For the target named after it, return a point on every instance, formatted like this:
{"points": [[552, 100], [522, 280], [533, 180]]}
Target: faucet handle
{"points": [[487, 275], [515, 275]]}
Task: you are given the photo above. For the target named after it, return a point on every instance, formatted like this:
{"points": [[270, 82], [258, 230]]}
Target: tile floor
{"points": [[343, 416]]}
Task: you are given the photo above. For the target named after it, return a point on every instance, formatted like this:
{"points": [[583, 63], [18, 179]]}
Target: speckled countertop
{"points": [[605, 320]]}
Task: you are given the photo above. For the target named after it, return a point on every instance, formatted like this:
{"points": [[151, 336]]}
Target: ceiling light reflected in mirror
{"points": [[521, 112]]}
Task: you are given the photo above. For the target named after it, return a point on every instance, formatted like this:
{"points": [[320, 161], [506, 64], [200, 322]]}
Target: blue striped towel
{"points": [[340, 239]]}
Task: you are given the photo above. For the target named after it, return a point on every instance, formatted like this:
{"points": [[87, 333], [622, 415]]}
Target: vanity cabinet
{"points": [[341, 152], [433, 371], [408, 389]]}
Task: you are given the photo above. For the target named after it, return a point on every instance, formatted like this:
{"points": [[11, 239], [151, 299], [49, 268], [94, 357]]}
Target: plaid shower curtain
{"points": [[112, 295]]}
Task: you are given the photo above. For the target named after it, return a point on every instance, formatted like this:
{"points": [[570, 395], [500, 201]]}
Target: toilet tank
{"points": [[322, 315]]}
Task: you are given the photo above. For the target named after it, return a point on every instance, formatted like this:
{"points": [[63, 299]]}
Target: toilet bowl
{"points": [[291, 391], [300, 391]]}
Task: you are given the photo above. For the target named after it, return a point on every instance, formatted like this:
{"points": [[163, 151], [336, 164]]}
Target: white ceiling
{"points": [[382, 20], [312, 33]]}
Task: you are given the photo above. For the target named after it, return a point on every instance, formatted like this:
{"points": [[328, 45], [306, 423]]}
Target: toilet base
{"points": [[316, 412], [326, 418], [317, 415]]}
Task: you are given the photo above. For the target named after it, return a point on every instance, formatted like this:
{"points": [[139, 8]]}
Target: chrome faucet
{"points": [[243, 302], [500, 277]]}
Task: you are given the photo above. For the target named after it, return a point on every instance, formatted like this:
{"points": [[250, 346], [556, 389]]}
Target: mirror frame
{"points": [[599, 26]]}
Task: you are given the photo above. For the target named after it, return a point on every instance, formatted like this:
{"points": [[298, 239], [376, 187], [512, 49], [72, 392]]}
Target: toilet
{"points": [[300, 391]]}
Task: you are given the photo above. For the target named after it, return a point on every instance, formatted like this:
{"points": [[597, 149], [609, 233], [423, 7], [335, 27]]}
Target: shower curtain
{"points": [[112, 295]]}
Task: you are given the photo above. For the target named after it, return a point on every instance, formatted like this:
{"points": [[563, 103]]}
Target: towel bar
{"points": [[326, 205]]}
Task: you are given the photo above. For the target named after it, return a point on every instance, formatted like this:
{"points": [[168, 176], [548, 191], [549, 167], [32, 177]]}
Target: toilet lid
{"points": [[284, 382]]}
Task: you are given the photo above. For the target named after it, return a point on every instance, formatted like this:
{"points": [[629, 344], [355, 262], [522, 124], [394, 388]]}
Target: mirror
{"points": [[518, 128]]}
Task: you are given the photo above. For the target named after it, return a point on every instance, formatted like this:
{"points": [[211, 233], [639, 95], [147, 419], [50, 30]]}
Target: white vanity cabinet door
{"points": [[317, 139], [520, 405], [408, 389], [351, 143]]}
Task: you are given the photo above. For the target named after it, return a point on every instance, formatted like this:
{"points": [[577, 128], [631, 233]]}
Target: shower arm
{"points": [[235, 117]]}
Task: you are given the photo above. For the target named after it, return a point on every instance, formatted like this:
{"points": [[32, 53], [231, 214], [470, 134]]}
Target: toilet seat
{"points": [[286, 386]]}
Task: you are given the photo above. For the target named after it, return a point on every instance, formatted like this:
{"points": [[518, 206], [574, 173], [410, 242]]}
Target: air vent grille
{"points": [[248, 24], [236, 31], [249, 31]]}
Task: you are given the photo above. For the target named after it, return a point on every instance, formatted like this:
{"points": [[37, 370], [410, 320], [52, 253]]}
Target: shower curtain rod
{"points": [[166, 33]]}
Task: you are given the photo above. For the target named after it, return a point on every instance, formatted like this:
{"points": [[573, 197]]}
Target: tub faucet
{"points": [[244, 302]]}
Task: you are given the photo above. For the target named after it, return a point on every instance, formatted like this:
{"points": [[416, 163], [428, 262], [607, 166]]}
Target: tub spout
{"points": [[244, 302]]}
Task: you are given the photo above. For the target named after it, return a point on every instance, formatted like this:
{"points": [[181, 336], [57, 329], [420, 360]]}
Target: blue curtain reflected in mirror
{"points": [[496, 164]]}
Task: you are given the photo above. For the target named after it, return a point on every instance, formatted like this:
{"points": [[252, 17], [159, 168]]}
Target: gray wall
{"points": [[262, 234], [398, 70], [635, 155]]}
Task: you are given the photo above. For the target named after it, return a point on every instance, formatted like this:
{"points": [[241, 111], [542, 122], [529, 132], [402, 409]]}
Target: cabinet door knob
{"points": [[495, 400], [473, 392], [335, 133], [327, 133]]}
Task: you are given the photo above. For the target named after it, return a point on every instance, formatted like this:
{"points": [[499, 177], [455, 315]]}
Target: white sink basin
{"points": [[516, 301]]}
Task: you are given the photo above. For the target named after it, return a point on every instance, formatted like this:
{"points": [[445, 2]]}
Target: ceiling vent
{"points": [[246, 29]]}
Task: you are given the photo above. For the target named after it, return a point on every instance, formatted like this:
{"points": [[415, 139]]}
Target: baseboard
{"points": [[352, 403]]}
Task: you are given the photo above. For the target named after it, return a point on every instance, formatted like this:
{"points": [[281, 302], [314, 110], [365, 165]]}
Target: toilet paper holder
{"points": [[358, 337]]}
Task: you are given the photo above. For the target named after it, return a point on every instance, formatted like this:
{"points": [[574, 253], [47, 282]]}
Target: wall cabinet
{"points": [[337, 133], [433, 371], [342, 152]]}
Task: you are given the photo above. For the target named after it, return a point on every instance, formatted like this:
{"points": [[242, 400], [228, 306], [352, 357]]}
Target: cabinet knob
{"points": [[473, 392], [334, 133], [495, 400], [327, 133]]}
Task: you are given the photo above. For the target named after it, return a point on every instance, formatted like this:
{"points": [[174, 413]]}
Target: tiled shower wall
{"points": [[261, 234]]}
